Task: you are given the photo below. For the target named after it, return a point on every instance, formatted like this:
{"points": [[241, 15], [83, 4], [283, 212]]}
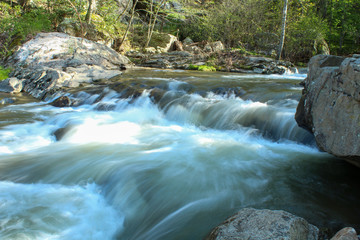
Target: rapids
{"points": [[167, 168]]}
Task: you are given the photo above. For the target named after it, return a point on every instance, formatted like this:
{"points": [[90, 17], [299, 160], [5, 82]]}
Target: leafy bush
{"points": [[4, 73], [16, 26], [306, 38]]}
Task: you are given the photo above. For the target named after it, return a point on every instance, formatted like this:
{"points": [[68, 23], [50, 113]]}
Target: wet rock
{"points": [[63, 101], [236, 91], [330, 105], [11, 85], [156, 94], [61, 132], [347, 233], [7, 101], [252, 224]]}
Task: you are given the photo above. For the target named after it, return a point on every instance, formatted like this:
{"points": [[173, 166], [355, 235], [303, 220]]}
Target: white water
{"points": [[167, 170]]}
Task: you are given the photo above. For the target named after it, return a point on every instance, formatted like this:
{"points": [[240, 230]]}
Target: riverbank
{"points": [[231, 61]]}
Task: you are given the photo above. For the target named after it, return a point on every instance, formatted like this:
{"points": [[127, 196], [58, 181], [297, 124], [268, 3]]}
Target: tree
{"points": [[129, 24], [283, 27], [91, 9], [152, 21]]}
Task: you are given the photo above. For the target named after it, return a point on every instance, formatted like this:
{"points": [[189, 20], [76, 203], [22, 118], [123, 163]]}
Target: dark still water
{"points": [[170, 166]]}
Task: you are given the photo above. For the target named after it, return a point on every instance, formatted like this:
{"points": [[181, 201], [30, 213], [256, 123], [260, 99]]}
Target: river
{"points": [[171, 167]]}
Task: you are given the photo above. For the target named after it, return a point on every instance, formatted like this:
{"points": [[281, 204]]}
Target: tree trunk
{"points": [[152, 24], [283, 26], [129, 24], [91, 9]]}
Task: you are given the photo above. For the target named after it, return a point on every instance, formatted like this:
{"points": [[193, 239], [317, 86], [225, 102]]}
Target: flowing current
{"points": [[165, 166]]}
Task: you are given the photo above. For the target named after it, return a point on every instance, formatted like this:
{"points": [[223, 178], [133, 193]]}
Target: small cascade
{"points": [[231, 113], [164, 156]]}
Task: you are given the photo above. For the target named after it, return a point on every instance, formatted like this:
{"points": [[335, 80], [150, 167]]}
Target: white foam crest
{"points": [[92, 130], [155, 78], [24, 137], [174, 85], [44, 211]]}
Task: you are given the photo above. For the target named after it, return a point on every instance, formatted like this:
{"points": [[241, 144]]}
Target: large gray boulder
{"points": [[330, 105], [253, 224], [347, 233], [52, 61]]}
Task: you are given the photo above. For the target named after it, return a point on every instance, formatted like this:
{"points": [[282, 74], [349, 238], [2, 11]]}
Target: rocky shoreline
{"points": [[220, 61], [51, 63]]}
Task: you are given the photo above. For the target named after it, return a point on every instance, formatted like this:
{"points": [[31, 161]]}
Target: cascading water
{"points": [[168, 166]]}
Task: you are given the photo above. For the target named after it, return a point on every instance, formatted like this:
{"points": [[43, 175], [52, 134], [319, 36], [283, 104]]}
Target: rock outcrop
{"points": [[330, 105], [253, 224], [52, 61]]}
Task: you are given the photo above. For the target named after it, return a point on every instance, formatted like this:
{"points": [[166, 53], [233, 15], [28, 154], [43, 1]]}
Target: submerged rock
{"points": [[330, 105], [253, 224], [52, 61], [63, 101], [7, 101]]}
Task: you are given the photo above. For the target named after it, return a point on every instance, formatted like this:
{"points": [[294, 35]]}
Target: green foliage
{"points": [[343, 17], [234, 22], [313, 26], [4, 73], [204, 68], [306, 38], [16, 26], [248, 26]]}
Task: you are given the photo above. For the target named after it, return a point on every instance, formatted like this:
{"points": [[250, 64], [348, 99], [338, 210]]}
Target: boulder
{"points": [[63, 101], [52, 61], [163, 42], [330, 105], [11, 85], [253, 224], [347, 233]]}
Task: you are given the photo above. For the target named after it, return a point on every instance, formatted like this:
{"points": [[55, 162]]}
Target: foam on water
{"points": [[44, 211], [167, 170]]}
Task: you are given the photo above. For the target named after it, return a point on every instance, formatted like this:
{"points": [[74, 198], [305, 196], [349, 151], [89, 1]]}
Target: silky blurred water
{"points": [[171, 168]]}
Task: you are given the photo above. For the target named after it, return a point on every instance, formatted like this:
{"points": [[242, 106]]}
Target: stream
{"points": [[173, 167]]}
